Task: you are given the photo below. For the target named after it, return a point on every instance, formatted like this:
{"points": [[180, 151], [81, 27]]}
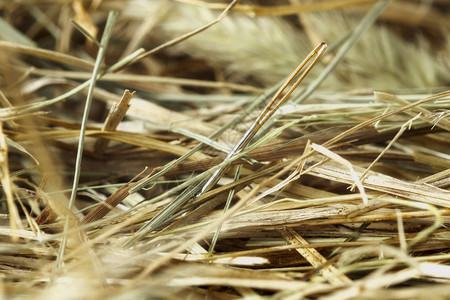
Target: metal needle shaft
{"points": [[277, 100]]}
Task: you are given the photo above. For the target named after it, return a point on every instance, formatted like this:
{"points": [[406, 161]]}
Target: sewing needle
{"points": [[277, 100], [273, 105]]}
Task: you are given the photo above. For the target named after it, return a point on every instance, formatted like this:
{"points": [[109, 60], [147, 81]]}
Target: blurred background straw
{"points": [[343, 195]]}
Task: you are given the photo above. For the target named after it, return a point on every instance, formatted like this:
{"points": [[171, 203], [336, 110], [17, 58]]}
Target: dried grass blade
{"points": [[14, 218], [331, 273], [353, 37], [189, 34], [384, 116], [347, 164], [282, 10], [115, 116], [48, 54], [10, 33], [423, 112], [112, 17], [386, 184], [112, 201]]}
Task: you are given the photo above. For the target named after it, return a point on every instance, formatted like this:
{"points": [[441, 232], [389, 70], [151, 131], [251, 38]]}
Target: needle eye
{"points": [[277, 100]]}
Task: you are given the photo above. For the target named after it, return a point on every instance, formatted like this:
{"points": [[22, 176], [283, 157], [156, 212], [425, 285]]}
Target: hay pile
{"points": [[114, 113]]}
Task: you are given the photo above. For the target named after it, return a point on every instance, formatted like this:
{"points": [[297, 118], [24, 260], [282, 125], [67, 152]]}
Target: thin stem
{"points": [[112, 17], [353, 38], [225, 209], [101, 53], [167, 213]]}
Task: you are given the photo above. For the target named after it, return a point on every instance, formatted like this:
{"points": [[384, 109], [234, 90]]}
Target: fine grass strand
{"points": [[216, 134], [271, 107], [293, 224], [11, 34], [100, 56], [352, 39], [112, 17], [29, 108], [227, 206], [86, 33]]}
